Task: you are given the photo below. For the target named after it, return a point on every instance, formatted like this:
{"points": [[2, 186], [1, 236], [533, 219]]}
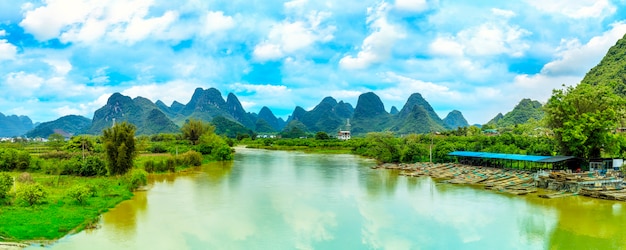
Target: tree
{"points": [[119, 144], [194, 129], [6, 183], [321, 136], [32, 193], [583, 119], [56, 141]]}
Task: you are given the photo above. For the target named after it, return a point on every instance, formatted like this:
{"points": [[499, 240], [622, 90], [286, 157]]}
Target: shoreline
{"points": [[12, 245], [518, 182]]}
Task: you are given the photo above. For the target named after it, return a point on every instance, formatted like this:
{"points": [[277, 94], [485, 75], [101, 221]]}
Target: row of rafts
{"points": [[516, 182]]}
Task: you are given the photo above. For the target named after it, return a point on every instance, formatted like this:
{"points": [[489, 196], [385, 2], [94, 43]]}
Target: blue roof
{"points": [[516, 157]]}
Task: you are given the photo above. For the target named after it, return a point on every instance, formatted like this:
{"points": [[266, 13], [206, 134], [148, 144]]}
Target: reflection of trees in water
{"points": [[216, 172], [587, 223], [123, 218], [168, 178], [378, 182]]}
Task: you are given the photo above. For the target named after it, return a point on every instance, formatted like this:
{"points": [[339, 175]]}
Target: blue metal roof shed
{"points": [[494, 158]]}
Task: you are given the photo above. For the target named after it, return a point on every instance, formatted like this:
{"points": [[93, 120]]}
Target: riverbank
{"points": [[508, 181], [518, 182], [12, 246]]}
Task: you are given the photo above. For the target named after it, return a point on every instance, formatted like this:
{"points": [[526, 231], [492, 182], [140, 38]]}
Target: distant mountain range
{"points": [[230, 118], [13, 125]]}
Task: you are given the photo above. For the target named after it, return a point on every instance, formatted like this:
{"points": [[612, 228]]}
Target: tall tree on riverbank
{"points": [[119, 144], [194, 129], [584, 118]]}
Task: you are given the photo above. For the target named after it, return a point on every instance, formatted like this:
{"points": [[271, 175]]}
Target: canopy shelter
{"points": [[527, 162]]}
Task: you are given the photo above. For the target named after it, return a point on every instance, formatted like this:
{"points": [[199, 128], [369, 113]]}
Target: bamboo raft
{"points": [[508, 181], [556, 195], [518, 182]]}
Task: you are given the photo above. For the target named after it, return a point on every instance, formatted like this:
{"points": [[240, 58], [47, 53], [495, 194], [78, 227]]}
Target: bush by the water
{"points": [[136, 178], [31, 193]]}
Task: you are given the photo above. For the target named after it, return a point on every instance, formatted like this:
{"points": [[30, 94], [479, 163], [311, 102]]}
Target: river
{"points": [[293, 200]]}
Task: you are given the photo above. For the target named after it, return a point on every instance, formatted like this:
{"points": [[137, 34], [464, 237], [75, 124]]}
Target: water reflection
{"points": [[290, 200], [123, 218]]}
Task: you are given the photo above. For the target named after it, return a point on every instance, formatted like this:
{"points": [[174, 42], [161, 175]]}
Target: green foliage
{"points": [[321, 136], [191, 158], [136, 178], [524, 111], [229, 128], [382, 146], [92, 166], [295, 129], [80, 193], [170, 164], [583, 119], [6, 183], [33, 193], [194, 129], [13, 159], [119, 144], [157, 148], [611, 69], [56, 141]]}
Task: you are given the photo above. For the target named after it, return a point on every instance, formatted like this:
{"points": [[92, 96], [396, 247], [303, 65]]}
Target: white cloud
{"points": [[169, 92], [575, 9], [574, 58], [405, 86], [412, 5], [216, 21], [446, 46], [503, 13], [23, 83], [61, 66], [3, 32], [288, 37], [88, 21], [493, 39], [267, 51], [8, 51], [261, 89], [378, 45]]}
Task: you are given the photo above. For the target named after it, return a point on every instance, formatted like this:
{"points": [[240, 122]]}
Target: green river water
{"points": [[293, 200]]}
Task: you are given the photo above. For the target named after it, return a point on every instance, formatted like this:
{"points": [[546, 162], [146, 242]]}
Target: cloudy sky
{"points": [[60, 57]]}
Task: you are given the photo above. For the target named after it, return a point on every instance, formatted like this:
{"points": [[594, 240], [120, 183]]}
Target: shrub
{"points": [[223, 153], [191, 158], [170, 164], [149, 166], [6, 183], [92, 166], [157, 148], [33, 193], [13, 159], [137, 178], [80, 193]]}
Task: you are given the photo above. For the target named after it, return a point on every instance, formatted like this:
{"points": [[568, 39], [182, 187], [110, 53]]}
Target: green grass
{"points": [[59, 214]]}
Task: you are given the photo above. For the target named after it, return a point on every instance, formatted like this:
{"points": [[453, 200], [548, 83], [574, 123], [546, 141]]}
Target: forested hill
{"points": [[611, 70], [523, 111], [67, 126]]}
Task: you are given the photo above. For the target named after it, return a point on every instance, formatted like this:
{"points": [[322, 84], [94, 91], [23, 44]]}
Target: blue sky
{"points": [[60, 57]]}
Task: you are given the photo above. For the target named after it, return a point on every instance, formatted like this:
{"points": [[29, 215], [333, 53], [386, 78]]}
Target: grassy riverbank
{"points": [[59, 214]]}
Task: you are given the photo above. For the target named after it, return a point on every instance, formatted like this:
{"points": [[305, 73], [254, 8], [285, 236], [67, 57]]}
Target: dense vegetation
{"points": [[48, 189], [385, 147]]}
